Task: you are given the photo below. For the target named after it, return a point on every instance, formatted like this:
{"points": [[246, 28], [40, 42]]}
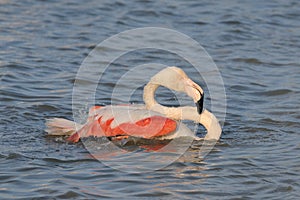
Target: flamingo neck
{"points": [[149, 93], [151, 103], [211, 123], [207, 119]]}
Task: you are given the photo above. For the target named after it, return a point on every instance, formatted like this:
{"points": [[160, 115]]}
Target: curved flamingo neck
{"points": [[151, 103], [207, 119], [149, 94]]}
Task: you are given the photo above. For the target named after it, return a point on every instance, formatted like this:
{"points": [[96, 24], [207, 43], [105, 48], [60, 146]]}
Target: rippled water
{"points": [[256, 47]]}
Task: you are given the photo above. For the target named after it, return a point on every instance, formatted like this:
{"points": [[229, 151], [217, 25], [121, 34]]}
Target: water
{"points": [[256, 47]]}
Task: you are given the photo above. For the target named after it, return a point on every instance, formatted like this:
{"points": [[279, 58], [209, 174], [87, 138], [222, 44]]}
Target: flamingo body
{"points": [[151, 120], [119, 122]]}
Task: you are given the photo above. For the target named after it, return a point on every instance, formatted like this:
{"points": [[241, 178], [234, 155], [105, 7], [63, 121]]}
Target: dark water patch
{"points": [[241, 88], [153, 194], [271, 93], [258, 84], [13, 156], [55, 160], [45, 108], [139, 13], [197, 23], [284, 124], [17, 66], [21, 95], [69, 195], [231, 22], [248, 60]]}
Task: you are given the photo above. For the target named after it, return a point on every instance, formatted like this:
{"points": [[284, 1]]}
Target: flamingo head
{"points": [[175, 78], [196, 93]]}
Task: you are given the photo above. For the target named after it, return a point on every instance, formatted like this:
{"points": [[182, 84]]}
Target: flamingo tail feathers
{"points": [[60, 126]]}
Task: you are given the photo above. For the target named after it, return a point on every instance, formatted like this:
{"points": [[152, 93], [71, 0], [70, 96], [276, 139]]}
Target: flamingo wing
{"points": [[113, 121]]}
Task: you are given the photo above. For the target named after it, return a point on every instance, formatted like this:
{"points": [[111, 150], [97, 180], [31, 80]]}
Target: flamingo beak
{"points": [[195, 91], [199, 103]]}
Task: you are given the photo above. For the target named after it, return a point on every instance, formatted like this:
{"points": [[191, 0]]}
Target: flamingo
{"points": [[149, 121]]}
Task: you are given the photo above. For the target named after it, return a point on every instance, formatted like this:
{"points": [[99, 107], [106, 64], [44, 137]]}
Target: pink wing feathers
{"points": [[115, 121]]}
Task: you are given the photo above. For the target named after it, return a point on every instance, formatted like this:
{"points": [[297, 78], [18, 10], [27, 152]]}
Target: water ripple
{"points": [[255, 45]]}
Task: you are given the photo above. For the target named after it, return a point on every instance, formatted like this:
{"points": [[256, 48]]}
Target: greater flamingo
{"points": [[150, 121]]}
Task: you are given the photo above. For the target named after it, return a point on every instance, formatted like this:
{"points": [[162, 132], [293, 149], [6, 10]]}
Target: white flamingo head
{"points": [[175, 78]]}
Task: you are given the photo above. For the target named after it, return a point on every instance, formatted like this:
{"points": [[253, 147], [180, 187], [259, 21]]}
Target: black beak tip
{"points": [[199, 104]]}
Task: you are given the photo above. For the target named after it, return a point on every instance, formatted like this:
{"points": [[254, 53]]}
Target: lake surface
{"points": [[255, 45]]}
